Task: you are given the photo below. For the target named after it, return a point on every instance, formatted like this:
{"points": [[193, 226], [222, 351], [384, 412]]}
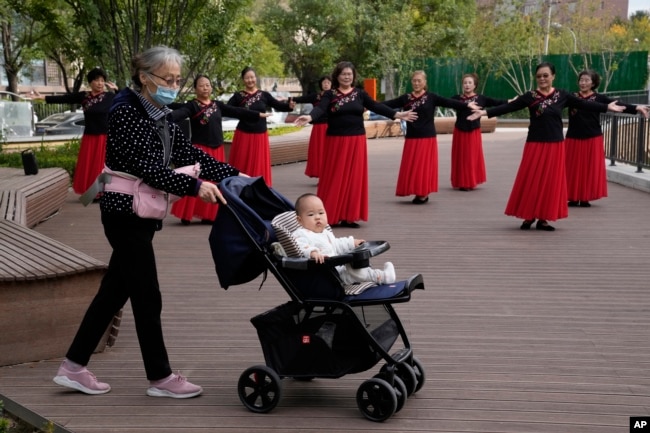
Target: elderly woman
{"points": [[142, 142]]}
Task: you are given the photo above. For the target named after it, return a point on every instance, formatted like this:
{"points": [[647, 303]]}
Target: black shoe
{"points": [[207, 222], [348, 224], [527, 224], [186, 222], [418, 200], [463, 189], [573, 203], [584, 204], [543, 225]]}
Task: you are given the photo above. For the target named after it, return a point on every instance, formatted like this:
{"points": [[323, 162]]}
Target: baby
{"points": [[317, 243]]}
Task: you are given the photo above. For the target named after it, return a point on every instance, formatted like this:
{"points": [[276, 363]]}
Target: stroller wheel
{"points": [[419, 374], [398, 386], [259, 388], [406, 373], [376, 399]]}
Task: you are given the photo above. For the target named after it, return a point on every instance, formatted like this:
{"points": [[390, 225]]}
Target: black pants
{"points": [[131, 275]]}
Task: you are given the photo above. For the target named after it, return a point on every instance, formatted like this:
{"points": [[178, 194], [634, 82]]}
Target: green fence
{"points": [[629, 72]]}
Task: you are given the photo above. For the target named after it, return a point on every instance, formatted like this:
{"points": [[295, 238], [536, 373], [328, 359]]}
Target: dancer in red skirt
{"points": [[318, 130], [467, 162], [418, 172], [249, 151], [539, 191], [343, 184], [585, 156], [205, 122], [95, 104]]}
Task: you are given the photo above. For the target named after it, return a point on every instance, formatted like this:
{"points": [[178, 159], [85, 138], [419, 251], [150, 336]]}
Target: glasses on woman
{"points": [[542, 75], [170, 81]]}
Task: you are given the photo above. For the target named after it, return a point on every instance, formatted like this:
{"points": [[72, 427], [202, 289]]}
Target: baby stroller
{"points": [[326, 330]]}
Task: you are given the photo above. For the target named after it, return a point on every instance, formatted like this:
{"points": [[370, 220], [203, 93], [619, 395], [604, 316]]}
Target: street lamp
{"points": [[548, 23], [575, 40]]}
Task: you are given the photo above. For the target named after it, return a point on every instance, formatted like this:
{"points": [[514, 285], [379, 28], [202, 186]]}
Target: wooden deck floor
{"points": [[518, 332]]}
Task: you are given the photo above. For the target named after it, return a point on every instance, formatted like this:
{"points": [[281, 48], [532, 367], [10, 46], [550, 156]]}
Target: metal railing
{"points": [[627, 139]]}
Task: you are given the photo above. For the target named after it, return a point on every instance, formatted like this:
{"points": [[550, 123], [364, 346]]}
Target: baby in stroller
{"points": [[318, 242]]}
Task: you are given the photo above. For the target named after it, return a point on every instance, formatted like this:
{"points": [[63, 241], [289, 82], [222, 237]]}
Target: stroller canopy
{"points": [[242, 229]]}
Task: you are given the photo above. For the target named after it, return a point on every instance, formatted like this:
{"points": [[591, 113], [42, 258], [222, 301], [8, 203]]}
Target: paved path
{"points": [[519, 332]]}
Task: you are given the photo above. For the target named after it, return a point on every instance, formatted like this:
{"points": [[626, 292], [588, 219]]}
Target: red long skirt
{"points": [[418, 171], [250, 154], [586, 175], [539, 190], [343, 184], [189, 206], [315, 149], [90, 161], [467, 162]]}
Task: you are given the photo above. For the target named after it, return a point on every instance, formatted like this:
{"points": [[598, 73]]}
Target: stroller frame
{"points": [[321, 333]]}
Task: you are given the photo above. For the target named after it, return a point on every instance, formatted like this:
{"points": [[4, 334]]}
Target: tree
{"points": [[505, 42], [216, 37], [310, 34], [21, 30]]}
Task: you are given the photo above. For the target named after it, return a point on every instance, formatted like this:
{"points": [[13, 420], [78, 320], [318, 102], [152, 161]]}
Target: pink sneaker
{"points": [[174, 386], [82, 380]]}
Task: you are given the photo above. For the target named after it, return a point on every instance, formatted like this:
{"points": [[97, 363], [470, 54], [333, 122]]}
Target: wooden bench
{"points": [[29, 200], [45, 287], [445, 125]]}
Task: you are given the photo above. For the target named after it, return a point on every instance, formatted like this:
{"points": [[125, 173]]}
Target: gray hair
{"points": [[152, 59]]}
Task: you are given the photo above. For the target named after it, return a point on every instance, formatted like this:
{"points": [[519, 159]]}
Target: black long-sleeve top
{"points": [[345, 111], [95, 108], [259, 101], [205, 120], [586, 124], [314, 99], [483, 101], [425, 107], [134, 146], [546, 112]]}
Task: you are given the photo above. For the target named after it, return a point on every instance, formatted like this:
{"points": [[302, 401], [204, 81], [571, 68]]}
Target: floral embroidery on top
{"points": [[249, 98], [543, 102], [590, 98], [415, 102], [207, 110], [469, 99], [91, 100], [340, 99]]}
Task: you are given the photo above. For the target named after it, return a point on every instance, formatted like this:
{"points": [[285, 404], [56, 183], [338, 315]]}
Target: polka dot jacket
{"points": [[134, 146]]}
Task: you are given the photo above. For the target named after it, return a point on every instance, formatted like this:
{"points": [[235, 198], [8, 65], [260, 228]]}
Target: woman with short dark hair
{"points": [[95, 104], [585, 149]]}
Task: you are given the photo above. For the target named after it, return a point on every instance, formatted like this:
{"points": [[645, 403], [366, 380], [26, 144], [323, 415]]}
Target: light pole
{"points": [[548, 26], [575, 40]]}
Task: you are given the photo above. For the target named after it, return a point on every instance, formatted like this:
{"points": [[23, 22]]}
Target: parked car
{"points": [[69, 123], [229, 123]]}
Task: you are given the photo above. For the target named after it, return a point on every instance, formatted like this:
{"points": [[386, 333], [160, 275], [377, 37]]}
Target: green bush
{"points": [[64, 156]]}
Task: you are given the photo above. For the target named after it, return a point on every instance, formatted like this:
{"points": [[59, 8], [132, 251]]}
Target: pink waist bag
{"points": [[148, 202]]}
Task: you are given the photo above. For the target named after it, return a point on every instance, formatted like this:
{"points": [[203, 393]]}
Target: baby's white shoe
{"points": [[389, 273]]}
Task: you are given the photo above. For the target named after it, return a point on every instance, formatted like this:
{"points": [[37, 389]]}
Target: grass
{"points": [[12, 424], [65, 156]]}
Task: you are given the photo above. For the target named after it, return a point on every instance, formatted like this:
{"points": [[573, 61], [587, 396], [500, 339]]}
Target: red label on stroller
{"points": [[306, 339]]}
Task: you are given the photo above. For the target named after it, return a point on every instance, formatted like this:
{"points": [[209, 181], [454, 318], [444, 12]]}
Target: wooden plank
{"points": [[518, 332], [27, 254]]}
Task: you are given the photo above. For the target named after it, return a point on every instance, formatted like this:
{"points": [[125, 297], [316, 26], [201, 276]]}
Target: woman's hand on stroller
{"points": [[209, 193]]}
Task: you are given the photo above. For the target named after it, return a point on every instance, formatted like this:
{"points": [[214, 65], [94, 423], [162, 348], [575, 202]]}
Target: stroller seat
{"points": [[284, 225]]}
